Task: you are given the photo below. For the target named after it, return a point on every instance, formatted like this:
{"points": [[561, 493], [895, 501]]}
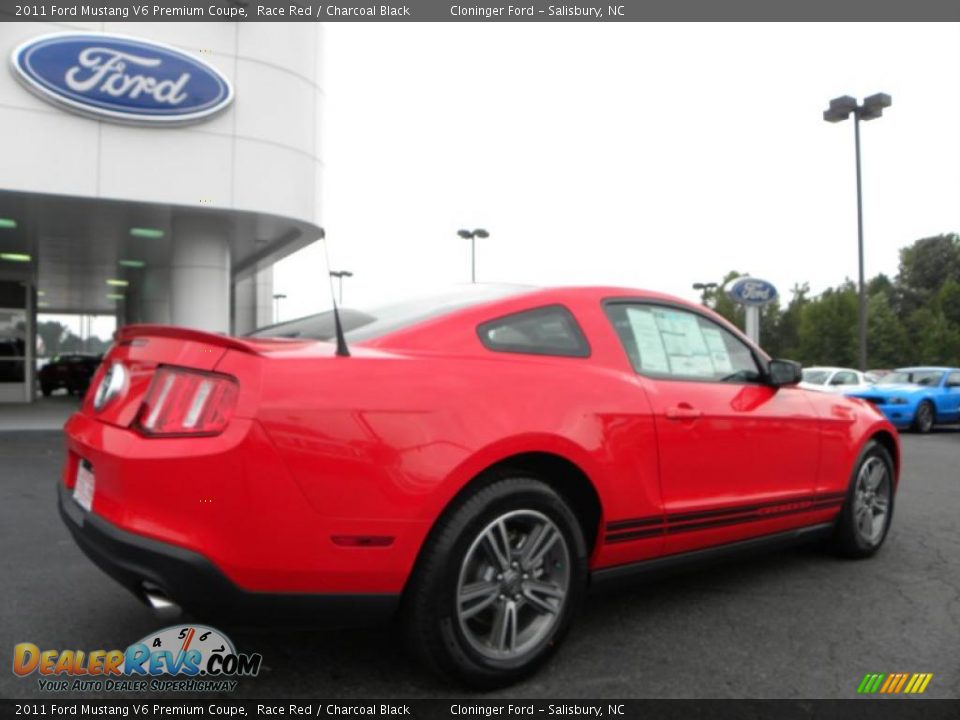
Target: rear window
{"points": [[548, 330], [374, 323]]}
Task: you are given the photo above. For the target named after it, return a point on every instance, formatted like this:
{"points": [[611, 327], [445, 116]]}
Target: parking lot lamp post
{"points": [[472, 236], [704, 288], [276, 306], [871, 108], [340, 275]]}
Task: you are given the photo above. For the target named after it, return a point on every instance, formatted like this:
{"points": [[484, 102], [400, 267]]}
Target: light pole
{"points": [[340, 275], [472, 236], [839, 110], [276, 306], [704, 288]]}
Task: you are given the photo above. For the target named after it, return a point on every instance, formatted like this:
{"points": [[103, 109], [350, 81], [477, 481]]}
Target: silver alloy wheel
{"points": [[924, 417], [871, 500], [513, 585]]}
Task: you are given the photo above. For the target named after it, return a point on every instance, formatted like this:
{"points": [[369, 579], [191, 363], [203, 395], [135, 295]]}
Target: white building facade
{"points": [[173, 218]]}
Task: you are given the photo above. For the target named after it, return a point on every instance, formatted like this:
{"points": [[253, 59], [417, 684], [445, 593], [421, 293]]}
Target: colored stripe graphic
{"points": [[644, 527], [870, 683], [894, 683]]}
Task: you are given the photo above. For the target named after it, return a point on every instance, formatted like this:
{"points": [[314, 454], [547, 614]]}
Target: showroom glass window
{"points": [[550, 330], [672, 343]]}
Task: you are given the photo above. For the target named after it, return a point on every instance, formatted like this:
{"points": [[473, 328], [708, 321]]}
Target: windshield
{"points": [[815, 377], [927, 378], [367, 324]]}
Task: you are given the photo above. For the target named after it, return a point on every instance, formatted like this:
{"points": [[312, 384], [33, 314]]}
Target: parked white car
{"points": [[835, 379]]}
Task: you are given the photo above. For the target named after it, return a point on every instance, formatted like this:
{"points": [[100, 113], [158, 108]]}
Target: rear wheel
{"points": [[868, 510], [497, 584], [46, 390], [923, 420]]}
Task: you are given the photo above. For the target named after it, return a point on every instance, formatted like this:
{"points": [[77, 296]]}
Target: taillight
{"points": [[187, 402]]}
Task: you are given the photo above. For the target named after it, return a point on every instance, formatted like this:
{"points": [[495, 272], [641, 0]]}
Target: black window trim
{"points": [[585, 350], [762, 363]]}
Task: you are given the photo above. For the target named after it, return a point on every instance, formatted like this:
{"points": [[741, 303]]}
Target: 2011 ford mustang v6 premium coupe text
{"points": [[468, 463]]}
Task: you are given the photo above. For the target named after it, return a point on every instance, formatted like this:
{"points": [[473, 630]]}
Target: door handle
{"points": [[683, 411]]}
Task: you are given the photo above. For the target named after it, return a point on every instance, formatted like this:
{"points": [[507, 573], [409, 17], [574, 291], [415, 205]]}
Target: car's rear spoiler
{"points": [[130, 333]]}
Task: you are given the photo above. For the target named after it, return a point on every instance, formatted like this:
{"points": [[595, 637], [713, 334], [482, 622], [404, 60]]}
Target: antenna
{"points": [[342, 349]]}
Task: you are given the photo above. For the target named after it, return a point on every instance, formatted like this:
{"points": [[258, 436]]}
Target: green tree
{"points": [[883, 285], [948, 300], [887, 342], [924, 268], [935, 341], [788, 329], [828, 328], [771, 318]]}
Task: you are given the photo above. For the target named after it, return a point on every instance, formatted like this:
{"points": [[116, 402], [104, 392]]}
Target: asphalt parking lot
{"points": [[795, 624]]}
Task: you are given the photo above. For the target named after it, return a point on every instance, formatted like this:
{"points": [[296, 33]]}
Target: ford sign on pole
{"points": [[123, 79], [752, 293]]}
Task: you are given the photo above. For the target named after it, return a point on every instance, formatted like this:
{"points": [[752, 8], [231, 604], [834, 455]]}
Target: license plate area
{"points": [[84, 487]]}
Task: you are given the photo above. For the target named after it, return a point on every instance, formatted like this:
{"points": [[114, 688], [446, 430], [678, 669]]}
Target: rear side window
{"points": [[550, 330]]}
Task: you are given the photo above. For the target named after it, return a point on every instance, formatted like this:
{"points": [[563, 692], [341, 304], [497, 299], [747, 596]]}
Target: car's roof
{"points": [[468, 298], [829, 368], [601, 290], [925, 368]]}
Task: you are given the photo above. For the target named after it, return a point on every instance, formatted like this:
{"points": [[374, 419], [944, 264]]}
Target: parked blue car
{"points": [[917, 397]]}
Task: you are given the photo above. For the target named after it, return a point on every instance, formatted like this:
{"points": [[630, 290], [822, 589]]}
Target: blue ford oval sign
{"points": [[121, 78], [752, 291]]}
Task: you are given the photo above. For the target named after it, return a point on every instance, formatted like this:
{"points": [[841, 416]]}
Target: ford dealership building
{"points": [[155, 171]]}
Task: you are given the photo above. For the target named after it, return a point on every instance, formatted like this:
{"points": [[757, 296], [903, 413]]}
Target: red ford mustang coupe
{"points": [[469, 463]]}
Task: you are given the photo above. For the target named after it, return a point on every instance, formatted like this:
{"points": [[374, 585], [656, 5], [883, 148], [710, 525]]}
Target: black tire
{"points": [[924, 418], [849, 539], [434, 628], [46, 390]]}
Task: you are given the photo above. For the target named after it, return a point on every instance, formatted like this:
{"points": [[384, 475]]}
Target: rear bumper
{"points": [[197, 585]]}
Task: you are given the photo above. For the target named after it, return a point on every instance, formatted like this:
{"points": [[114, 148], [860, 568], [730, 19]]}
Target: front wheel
{"points": [[865, 518], [497, 584], [923, 420]]}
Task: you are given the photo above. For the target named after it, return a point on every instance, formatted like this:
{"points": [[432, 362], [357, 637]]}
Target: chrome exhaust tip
{"points": [[158, 600]]}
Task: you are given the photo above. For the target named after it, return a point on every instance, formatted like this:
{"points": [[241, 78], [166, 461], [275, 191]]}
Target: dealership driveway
{"points": [[796, 624]]}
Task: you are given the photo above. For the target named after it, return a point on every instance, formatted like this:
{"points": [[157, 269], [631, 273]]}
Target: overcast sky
{"points": [[643, 155]]}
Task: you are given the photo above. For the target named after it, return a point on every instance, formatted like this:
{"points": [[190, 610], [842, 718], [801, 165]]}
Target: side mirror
{"points": [[784, 372]]}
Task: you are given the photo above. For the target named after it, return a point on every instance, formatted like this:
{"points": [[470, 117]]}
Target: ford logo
{"points": [[119, 78], [752, 291]]}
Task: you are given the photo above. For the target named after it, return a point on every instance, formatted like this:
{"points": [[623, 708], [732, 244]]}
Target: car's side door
{"points": [[949, 400], [737, 457]]}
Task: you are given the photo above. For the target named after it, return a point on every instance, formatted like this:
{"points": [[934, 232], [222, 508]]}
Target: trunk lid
{"points": [[143, 348]]}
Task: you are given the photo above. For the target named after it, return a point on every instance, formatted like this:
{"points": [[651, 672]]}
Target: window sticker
{"points": [[684, 344], [718, 351], [646, 336]]}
